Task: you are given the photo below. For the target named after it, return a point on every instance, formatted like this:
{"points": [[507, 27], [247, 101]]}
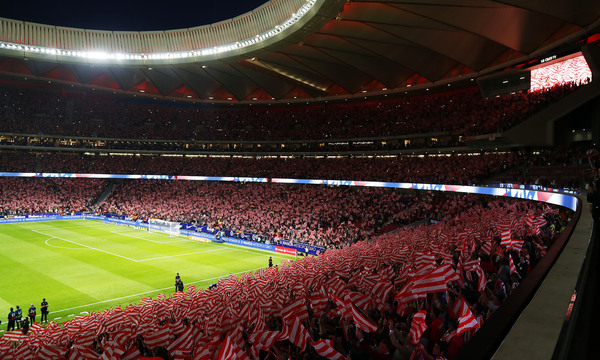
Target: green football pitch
{"points": [[81, 266]]}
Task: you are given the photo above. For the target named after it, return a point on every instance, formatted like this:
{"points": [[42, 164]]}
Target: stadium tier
{"points": [[87, 114]]}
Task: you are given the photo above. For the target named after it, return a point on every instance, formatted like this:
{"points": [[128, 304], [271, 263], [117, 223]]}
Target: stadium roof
{"points": [[335, 49]]}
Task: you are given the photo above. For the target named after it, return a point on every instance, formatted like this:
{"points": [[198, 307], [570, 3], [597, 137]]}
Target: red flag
{"points": [[511, 264], [467, 322], [517, 245], [14, 336], [486, 248], [362, 322], [263, 340], [325, 349], [158, 338], [481, 278], [506, 237], [297, 334], [228, 350], [79, 352], [418, 326], [459, 308]]}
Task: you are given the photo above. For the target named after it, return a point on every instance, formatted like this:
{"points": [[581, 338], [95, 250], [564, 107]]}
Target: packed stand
{"points": [[455, 169], [466, 112], [317, 215], [21, 196], [419, 293]]}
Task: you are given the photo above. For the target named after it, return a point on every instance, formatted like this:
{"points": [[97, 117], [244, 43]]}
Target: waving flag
{"points": [[227, 350], [418, 326], [362, 322], [466, 322], [325, 349], [511, 264], [297, 334]]}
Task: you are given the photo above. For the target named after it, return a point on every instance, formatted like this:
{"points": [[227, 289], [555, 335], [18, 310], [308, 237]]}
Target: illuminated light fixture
{"points": [[384, 89], [101, 55], [409, 85], [364, 91], [210, 98], [189, 96], [204, 66], [142, 90]]}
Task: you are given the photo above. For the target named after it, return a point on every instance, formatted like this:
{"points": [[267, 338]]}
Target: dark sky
{"points": [[127, 15]]}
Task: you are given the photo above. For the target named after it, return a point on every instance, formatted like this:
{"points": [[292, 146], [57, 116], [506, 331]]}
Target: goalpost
{"points": [[169, 227]]}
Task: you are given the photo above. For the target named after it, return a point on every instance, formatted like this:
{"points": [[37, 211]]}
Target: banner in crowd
{"points": [[252, 244], [305, 248], [40, 217]]}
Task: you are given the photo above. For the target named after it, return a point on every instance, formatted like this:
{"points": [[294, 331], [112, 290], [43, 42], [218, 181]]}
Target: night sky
{"points": [[127, 15]]}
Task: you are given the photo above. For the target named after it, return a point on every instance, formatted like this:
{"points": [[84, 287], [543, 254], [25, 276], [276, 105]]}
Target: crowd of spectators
{"points": [[359, 302], [31, 111], [22, 196], [317, 215], [455, 169]]}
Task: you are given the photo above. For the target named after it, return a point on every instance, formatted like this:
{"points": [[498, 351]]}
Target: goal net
{"points": [[169, 227]]}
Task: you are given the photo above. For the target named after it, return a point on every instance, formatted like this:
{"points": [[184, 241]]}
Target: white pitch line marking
{"points": [[60, 247], [170, 256], [87, 246], [141, 238]]}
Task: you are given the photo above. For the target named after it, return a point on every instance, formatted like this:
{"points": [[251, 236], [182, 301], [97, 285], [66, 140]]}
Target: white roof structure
{"points": [[302, 50]]}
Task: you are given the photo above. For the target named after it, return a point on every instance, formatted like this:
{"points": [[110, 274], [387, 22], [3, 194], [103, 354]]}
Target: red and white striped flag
{"points": [[50, 352], [35, 327], [13, 336], [517, 245], [158, 338], [325, 349], [459, 308], [506, 236], [228, 350], [481, 281], [430, 283], [79, 352], [297, 334], [133, 353], [466, 322], [318, 304], [204, 353], [418, 326], [263, 340], [511, 264], [486, 247], [362, 322]]}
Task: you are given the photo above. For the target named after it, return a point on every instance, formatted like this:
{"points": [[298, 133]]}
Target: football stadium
{"points": [[300, 179]]}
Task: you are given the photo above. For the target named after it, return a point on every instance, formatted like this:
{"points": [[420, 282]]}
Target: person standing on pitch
{"points": [[11, 320], [32, 313], [44, 308], [19, 316], [270, 262], [177, 281]]}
